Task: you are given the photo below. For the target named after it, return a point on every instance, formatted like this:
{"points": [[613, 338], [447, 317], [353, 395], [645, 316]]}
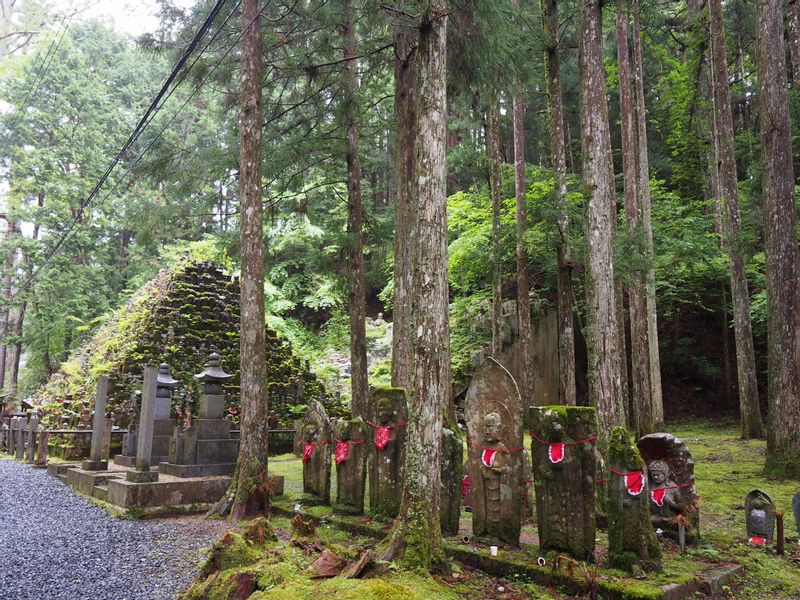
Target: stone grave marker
{"points": [[670, 470], [96, 462], [317, 452], [388, 417], [144, 446], [12, 435], [796, 510], [350, 454], [451, 472], [632, 543], [30, 445], [494, 429], [19, 444], [759, 513], [565, 464]]}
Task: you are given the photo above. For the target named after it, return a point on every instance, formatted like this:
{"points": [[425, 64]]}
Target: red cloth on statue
{"points": [[555, 452], [308, 450], [342, 451], [634, 482], [382, 436], [487, 457], [658, 496]]}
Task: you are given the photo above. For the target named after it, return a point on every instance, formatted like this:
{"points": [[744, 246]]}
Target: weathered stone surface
{"points": [[494, 427], [631, 539], [166, 493], [671, 481], [350, 455], [96, 462], [565, 464], [33, 433], [84, 480], [317, 452], [451, 474], [388, 415], [796, 510], [759, 510], [297, 445], [146, 417]]}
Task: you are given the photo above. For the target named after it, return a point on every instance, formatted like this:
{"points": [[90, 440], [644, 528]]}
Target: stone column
{"points": [[96, 462], [108, 425], [19, 444], [12, 435], [33, 429], [144, 445], [41, 453]]}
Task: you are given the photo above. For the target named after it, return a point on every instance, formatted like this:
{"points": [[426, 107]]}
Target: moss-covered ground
{"points": [[726, 469]]}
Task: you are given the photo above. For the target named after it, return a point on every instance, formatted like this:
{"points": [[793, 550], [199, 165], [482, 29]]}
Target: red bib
{"points": [[307, 452], [382, 436], [634, 482], [758, 541], [342, 451], [487, 457], [657, 496], [555, 453]]}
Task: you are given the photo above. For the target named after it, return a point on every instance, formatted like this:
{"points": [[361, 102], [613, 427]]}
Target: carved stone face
{"points": [[658, 472], [385, 412], [492, 426]]}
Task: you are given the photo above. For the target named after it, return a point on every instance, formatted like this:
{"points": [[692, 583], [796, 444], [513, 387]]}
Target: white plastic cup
{"points": [[493, 550]]}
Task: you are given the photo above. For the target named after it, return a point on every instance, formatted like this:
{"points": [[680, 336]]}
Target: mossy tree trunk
{"points": [[416, 537], [783, 287], [493, 142], [355, 223], [249, 485]]}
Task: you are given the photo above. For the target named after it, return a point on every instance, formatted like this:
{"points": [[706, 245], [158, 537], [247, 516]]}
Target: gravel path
{"points": [[55, 544]]}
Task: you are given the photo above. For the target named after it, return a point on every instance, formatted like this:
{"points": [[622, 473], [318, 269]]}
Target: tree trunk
{"points": [[250, 481], [493, 144], [405, 194], [355, 224], [656, 397], [417, 533], [783, 295], [566, 333], [641, 419], [8, 265], [605, 387], [728, 199], [793, 22]]}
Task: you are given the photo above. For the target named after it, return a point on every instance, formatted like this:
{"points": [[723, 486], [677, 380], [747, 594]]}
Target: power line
{"points": [[143, 122]]}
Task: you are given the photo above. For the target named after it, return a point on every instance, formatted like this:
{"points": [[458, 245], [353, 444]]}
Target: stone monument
{"points": [[317, 452], [451, 473], [350, 455], [671, 481], [494, 429], [30, 443], [96, 462], [144, 446], [632, 543], [206, 447], [759, 513], [565, 464], [19, 443], [388, 416]]}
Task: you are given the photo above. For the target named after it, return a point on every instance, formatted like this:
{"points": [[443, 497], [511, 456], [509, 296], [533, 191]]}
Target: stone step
{"points": [[62, 477], [100, 492]]}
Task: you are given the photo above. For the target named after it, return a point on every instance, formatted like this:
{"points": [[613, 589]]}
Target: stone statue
{"points": [[388, 412], [494, 425], [317, 452], [671, 483], [632, 543], [350, 455], [760, 517], [565, 465]]}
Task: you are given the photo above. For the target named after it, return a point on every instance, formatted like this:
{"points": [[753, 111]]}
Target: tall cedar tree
{"points": [[495, 185], [783, 286], [603, 329], [417, 533], [355, 222], [566, 332], [250, 479], [728, 199]]}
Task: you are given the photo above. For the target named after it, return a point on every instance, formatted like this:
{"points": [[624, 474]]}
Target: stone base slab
{"points": [[94, 465], [84, 481], [126, 494], [141, 476], [125, 461], [184, 471]]}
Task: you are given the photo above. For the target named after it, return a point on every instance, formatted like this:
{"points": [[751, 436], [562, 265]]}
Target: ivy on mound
{"points": [[179, 317]]}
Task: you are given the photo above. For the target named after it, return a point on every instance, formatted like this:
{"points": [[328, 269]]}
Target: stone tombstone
{"points": [[670, 470], [796, 510], [350, 455], [30, 444], [494, 429], [564, 462], [96, 462], [317, 452], [632, 542], [144, 446], [759, 511], [19, 444], [12, 435], [388, 417], [41, 451], [451, 473]]}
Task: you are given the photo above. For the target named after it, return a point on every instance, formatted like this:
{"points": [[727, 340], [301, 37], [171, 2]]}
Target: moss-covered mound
{"points": [[179, 317]]}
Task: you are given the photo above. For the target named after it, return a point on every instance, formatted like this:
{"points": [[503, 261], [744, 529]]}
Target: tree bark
{"points": [[656, 396], [605, 386], [417, 534], [728, 198], [355, 225], [566, 332], [405, 194], [8, 265], [641, 419], [783, 294], [793, 22], [493, 144], [250, 481]]}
